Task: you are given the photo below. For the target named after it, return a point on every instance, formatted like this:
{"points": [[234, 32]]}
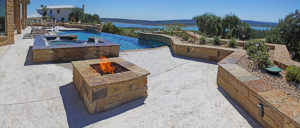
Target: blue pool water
{"points": [[127, 43], [55, 43]]}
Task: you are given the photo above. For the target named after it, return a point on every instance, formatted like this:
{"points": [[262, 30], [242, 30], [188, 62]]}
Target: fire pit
{"points": [[106, 83]]}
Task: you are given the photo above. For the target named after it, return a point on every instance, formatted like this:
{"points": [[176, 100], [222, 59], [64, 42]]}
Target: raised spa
{"points": [[67, 48]]}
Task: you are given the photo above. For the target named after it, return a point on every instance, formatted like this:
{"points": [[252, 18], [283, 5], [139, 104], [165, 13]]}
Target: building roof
{"points": [[60, 6]]}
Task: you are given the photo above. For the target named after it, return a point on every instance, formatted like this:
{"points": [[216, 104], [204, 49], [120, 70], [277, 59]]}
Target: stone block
{"points": [[269, 121], [131, 95], [230, 90]]}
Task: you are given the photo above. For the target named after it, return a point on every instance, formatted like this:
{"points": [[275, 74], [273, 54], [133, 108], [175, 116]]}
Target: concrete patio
{"points": [[182, 92]]}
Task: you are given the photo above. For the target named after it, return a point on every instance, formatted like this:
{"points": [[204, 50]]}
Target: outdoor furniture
{"points": [[36, 31], [274, 70]]}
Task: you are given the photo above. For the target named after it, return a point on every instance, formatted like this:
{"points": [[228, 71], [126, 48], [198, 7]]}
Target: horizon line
{"points": [[178, 19]]}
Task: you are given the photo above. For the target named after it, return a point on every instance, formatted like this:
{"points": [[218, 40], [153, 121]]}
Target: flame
{"points": [[105, 65]]}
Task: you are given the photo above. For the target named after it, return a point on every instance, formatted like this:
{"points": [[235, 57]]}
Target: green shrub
{"points": [[232, 42], [259, 54], [217, 41], [202, 40], [108, 27], [247, 45], [185, 36], [293, 74]]}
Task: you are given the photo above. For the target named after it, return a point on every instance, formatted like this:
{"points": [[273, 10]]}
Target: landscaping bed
{"points": [[210, 42], [277, 81]]}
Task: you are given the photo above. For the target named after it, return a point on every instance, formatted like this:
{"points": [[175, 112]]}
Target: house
{"points": [[13, 15], [59, 13]]}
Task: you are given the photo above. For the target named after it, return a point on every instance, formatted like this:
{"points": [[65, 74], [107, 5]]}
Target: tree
{"points": [[244, 32], [44, 12], [209, 24], [76, 15], [230, 26], [110, 28], [91, 19], [287, 32]]}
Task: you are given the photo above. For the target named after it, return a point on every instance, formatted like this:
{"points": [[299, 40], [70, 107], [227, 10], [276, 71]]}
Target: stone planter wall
{"points": [[190, 50], [249, 91]]}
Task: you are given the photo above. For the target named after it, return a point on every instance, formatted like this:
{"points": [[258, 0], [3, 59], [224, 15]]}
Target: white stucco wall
{"points": [[64, 13]]}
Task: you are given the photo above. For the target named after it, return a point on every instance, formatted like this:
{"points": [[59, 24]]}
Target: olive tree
{"points": [[288, 32], [230, 26], [208, 24]]}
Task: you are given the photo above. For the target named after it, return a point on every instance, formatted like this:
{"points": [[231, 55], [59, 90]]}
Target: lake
{"points": [[189, 28]]}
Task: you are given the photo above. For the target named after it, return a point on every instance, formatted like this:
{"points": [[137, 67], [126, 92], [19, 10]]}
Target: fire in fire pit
{"points": [[106, 67]]}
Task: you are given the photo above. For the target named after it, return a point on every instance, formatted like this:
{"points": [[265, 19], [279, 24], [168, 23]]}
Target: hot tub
{"points": [[67, 48]]}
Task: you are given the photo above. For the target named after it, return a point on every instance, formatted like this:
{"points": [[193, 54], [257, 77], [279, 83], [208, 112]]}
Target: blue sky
{"points": [[260, 10]]}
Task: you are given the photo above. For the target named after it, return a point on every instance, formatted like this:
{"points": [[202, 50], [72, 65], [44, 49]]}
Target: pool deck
{"points": [[182, 92]]}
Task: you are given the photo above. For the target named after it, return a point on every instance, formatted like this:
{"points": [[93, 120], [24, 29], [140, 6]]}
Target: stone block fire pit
{"points": [[101, 89]]}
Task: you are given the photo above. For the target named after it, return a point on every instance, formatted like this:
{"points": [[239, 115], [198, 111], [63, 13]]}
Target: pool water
{"points": [[55, 43], [127, 43]]}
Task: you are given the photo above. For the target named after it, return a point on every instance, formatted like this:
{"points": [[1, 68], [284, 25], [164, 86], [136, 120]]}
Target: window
{"points": [[50, 12], [58, 11], [62, 19], [2, 17]]}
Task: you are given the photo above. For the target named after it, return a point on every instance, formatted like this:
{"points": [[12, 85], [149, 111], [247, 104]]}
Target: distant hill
{"points": [[185, 22]]}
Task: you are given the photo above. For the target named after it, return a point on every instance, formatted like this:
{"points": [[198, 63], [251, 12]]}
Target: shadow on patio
{"points": [[77, 114]]}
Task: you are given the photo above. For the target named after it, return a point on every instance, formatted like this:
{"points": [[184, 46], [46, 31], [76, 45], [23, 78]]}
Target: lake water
{"points": [[189, 28]]}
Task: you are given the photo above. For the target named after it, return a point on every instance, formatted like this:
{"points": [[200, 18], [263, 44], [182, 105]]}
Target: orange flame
{"points": [[105, 65]]}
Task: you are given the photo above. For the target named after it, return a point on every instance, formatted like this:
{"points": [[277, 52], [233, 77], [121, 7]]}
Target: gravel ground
{"points": [[277, 81]]}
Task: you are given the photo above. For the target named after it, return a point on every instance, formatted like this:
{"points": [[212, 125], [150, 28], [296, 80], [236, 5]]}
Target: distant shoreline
{"points": [[188, 23]]}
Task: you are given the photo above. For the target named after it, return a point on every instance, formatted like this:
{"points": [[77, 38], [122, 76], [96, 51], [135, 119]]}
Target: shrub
{"points": [[293, 74], [232, 42], [247, 45], [185, 37], [217, 41], [259, 54], [110, 28], [91, 19], [202, 40]]}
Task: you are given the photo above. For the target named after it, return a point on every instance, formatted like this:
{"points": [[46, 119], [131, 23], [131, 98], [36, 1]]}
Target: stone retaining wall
{"points": [[249, 91], [190, 50]]}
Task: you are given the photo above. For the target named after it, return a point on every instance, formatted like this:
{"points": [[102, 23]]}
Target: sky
{"points": [[258, 10]]}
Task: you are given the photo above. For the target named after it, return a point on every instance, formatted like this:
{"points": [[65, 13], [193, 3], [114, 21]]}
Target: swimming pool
{"points": [[127, 43], [55, 43]]}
